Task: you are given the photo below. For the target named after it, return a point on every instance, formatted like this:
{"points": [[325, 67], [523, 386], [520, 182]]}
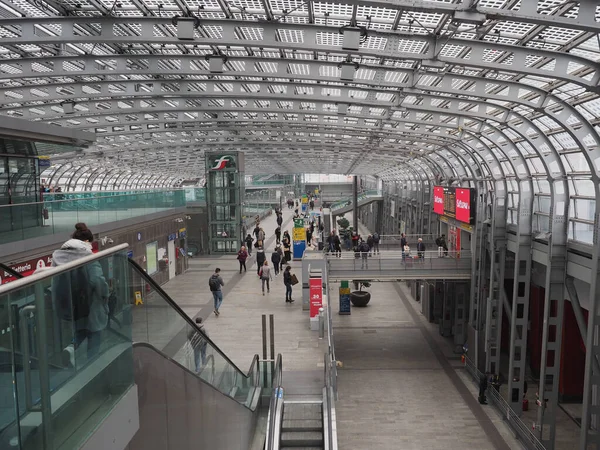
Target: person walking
{"points": [[256, 231], [279, 219], [249, 241], [287, 281], [261, 238], [278, 235], [242, 256], [403, 241], [421, 249], [370, 243], [265, 276], [483, 385], [260, 259], [281, 257], [198, 342], [337, 245], [276, 261], [215, 282], [376, 243]]}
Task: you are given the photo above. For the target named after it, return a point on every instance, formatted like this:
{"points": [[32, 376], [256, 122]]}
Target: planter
{"points": [[360, 298]]}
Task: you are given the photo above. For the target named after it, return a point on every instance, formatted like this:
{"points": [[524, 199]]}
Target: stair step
{"points": [[302, 425], [301, 439]]}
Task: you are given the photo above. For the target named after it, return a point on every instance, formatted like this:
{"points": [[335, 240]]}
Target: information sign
{"points": [[345, 299], [316, 296], [456, 203]]}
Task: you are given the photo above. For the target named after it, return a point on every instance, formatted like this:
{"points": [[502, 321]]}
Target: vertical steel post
{"points": [[264, 346], [272, 337], [520, 300], [554, 303], [44, 366], [355, 203]]}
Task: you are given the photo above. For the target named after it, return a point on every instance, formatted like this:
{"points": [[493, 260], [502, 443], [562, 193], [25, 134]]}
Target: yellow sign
{"points": [[298, 234], [138, 298]]}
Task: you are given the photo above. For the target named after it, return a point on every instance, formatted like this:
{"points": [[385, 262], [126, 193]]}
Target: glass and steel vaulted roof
{"points": [[495, 88]]}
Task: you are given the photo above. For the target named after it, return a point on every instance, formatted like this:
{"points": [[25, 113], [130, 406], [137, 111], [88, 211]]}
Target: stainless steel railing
{"points": [[524, 433]]}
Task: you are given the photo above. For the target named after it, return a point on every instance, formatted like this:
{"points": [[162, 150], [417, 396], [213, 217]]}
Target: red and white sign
{"points": [[25, 268], [463, 205], [316, 296], [438, 200]]}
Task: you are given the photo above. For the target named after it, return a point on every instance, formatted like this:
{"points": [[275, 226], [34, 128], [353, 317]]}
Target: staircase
{"points": [[302, 426]]}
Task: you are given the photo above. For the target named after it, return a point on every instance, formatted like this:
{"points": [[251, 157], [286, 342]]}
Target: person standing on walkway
{"points": [[215, 282], [421, 249], [370, 243], [276, 260], [265, 276], [249, 241], [278, 235], [198, 342], [363, 247], [260, 259], [337, 245], [242, 256], [376, 243], [286, 241], [287, 281]]}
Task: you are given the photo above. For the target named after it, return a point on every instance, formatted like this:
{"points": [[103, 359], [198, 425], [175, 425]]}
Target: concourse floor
{"points": [[238, 329]]}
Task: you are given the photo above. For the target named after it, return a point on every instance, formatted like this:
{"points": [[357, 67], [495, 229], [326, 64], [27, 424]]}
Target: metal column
{"points": [[590, 418], [355, 203], [554, 303]]}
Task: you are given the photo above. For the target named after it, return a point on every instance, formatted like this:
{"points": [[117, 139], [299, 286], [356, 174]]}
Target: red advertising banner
{"points": [[438, 199], [463, 205], [25, 268], [316, 296]]}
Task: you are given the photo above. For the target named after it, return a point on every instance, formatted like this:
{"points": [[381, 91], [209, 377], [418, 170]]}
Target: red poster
{"points": [[316, 296], [463, 205], [25, 268], [438, 199]]}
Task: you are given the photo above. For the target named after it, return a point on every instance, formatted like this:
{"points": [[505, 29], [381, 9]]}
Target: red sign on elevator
{"points": [[316, 296], [438, 199], [463, 205]]}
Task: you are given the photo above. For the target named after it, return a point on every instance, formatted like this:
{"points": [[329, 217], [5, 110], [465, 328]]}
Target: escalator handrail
{"points": [[275, 408], [181, 366], [191, 323], [11, 271]]}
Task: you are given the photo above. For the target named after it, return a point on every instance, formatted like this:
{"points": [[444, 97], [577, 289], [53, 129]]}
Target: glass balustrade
{"points": [[64, 370], [29, 220]]}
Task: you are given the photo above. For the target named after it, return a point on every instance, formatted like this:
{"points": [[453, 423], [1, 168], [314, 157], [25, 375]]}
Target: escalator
{"points": [[139, 380]]}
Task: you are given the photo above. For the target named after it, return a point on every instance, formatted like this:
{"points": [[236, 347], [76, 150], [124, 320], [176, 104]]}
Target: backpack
{"points": [[364, 247], [438, 242], [73, 294], [376, 238], [213, 283]]}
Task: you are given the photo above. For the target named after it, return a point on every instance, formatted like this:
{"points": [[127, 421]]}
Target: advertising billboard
{"points": [[221, 162], [455, 202]]}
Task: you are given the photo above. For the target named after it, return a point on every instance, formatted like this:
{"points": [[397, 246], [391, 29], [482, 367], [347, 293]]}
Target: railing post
{"points": [[321, 323]]}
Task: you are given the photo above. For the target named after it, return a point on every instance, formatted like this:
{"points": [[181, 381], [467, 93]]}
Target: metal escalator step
{"points": [[301, 439], [305, 448], [302, 411], [302, 425]]}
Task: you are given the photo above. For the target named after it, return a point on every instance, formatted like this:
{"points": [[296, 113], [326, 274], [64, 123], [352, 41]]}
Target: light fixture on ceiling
{"points": [[68, 107], [348, 69], [186, 27], [468, 17], [216, 61]]}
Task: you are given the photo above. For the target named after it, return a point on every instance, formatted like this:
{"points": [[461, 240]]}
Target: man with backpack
{"points": [[376, 243], [215, 282], [442, 245], [198, 342], [276, 260]]}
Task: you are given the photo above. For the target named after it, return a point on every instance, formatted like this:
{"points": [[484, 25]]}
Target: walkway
{"points": [[400, 386], [238, 330]]}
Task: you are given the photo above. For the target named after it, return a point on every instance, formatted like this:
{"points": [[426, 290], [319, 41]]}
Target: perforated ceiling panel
{"points": [[305, 86]]}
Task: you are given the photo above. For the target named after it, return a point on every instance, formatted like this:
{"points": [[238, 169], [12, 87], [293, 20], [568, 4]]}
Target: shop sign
{"points": [[26, 268], [221, 162], [438, 200]]}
